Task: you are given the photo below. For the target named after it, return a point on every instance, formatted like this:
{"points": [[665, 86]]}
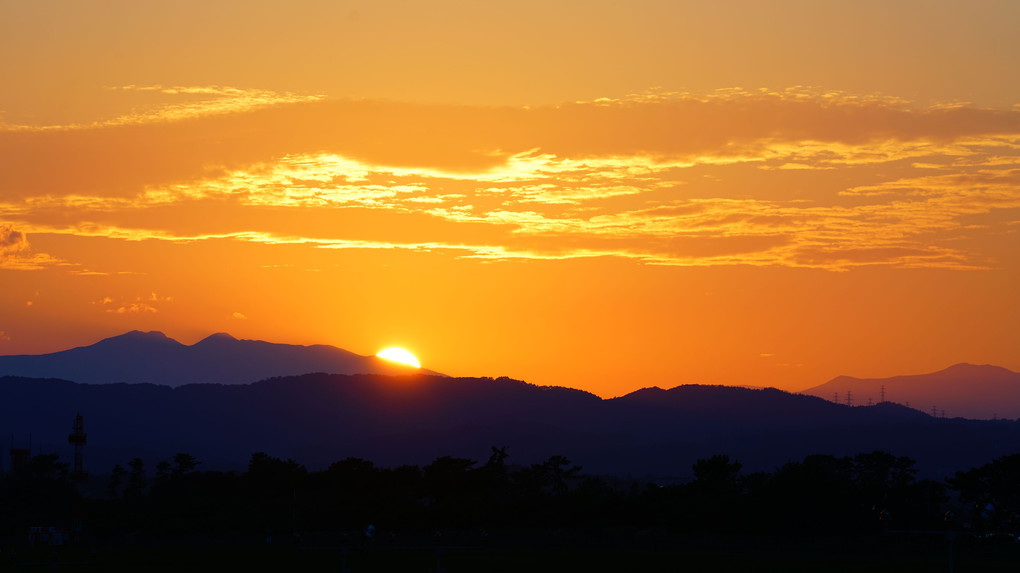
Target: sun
{"points": [[399, 355]]}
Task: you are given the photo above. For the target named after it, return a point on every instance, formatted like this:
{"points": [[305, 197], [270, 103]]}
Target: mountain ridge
{"points": [[321, 418], [153, 357], [977, 391]]}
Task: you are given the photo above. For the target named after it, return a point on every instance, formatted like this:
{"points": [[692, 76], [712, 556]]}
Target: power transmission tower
{"points": [[881, 394], [849, 399]]}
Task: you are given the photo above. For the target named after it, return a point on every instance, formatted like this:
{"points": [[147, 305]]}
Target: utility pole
{"points": [[78, 439]]}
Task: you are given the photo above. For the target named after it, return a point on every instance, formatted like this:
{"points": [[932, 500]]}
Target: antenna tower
{"points": [[78, 438]]}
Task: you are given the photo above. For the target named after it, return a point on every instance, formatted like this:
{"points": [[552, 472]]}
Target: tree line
{"points": [[819, 495]]}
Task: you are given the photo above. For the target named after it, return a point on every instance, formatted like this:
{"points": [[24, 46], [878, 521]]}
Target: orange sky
{"points": [[604, 195]]}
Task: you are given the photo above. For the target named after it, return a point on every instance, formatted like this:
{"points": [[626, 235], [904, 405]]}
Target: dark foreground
{"points": [[865, 513], [894, 551]]}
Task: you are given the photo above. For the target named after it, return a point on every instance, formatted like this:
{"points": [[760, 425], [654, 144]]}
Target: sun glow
{"points": [[399, 355]]}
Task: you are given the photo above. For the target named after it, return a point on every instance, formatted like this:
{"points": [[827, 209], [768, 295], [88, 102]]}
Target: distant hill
{"points": [[155, 358], [320, 418], [962, 390]]}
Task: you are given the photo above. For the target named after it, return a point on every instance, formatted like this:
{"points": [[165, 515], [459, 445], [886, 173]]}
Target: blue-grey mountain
{"points": [[962, 390], [155, 358]]}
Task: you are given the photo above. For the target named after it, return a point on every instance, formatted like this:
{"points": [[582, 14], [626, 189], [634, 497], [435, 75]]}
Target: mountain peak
{"points": [[979, 391], [644, 394], [218, 337], [971, 369], [151, 336], [219, 358]]}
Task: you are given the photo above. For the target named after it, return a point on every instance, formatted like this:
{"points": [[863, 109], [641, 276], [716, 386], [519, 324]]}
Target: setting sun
{"points": [[399, 355]]}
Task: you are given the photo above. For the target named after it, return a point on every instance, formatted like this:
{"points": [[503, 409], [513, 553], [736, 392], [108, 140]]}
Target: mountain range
{"points": [[321, 418], [222, 399], [220, 358], [962, 390]]}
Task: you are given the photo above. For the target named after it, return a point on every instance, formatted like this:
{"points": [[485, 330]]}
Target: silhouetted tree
{"points": [[716, 475], [184, 464], [816, 495], [163, 470], [274, 473], [44, 467], [40, 492], [493, 475], [354, 474], [448, 475], [885, 483], [556, 472], [879, 473], [992, 490], [136, 479], [497, 460], [116, 480], [272, 485]]}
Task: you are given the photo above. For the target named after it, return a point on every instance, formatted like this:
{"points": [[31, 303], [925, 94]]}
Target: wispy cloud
{"points": [[200, 101], [798, 178], [16, 253], [139, 305]]}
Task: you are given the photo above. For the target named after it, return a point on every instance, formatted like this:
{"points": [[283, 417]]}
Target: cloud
{"points": [[4, 337], [796, 178], [140, 305], [11, 240], [791, 127], [15, 252], [239, 316], [134, 307], [200, 101]]}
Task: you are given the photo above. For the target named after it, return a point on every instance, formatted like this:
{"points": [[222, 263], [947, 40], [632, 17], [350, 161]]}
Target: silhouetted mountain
{"points": [[320, 418], [154, 358], [964, 390]]}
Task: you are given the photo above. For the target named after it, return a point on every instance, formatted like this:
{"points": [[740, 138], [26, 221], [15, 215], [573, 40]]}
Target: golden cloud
{"points": [[12, 240], [786, 178], [140, 305], [15, 252]]}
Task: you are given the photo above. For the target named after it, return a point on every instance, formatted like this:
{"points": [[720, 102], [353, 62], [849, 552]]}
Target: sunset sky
{"points": [[602, 195]]}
